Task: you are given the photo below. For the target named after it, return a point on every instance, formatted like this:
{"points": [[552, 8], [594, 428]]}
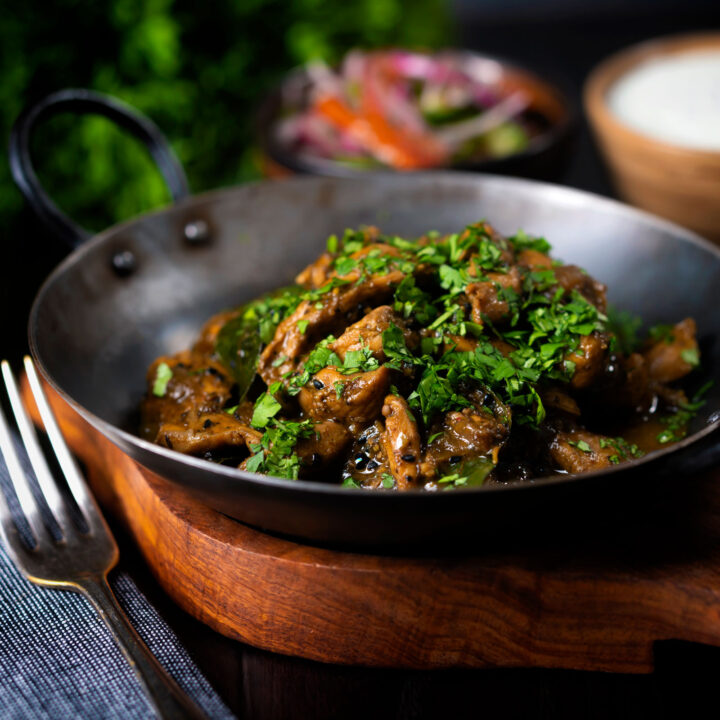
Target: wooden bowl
{"points": [[678, 183]]}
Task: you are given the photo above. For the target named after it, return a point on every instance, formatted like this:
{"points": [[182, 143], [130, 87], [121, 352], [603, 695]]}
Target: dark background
{"points": [[199, 70]]}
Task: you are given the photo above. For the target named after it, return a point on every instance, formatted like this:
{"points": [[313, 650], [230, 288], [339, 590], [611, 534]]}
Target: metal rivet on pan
{"points": [[123, 263], [197, 232]]}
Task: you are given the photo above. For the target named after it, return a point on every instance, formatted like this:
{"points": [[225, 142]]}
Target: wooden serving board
{"points": [[599, 605]]}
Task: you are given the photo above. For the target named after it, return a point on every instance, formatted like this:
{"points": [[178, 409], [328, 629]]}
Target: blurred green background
{"points": [[198, 70]]}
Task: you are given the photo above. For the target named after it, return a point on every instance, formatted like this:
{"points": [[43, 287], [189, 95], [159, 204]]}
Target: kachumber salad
{"points": [[432, 363]]}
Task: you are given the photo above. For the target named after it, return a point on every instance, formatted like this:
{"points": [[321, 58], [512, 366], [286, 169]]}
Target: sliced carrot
{"points": [[401, 150]]}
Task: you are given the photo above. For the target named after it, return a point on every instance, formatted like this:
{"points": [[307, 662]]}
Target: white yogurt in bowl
{"points": [[674, 99]]}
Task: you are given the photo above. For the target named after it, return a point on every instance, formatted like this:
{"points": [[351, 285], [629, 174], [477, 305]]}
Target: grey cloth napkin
{"points": [[58, 660]]}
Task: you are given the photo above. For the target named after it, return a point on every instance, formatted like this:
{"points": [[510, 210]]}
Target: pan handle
{"points": [[85, 102]]}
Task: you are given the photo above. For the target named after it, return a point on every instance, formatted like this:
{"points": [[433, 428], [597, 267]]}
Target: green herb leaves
{"points": [[266, 407], [275, 453], [240, 340], [580, 445], [472, 473], [691, 356], [395, 348], [238, 347], [162, 378], [625, 327], [677, 421]]}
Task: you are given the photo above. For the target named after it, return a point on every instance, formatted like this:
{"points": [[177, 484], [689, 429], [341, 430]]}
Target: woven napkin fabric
{"points": [[58, 660]]}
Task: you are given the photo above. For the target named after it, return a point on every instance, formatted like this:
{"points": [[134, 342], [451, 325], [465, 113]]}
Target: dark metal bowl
{"points": [[144, 288], [544, 159], [93, 333]]}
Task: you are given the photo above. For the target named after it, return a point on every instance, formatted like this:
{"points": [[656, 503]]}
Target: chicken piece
{"points": [[296, 335], [198, 386], [553, 397], [579, 451], [401, 442], [469, 433], [367, 333], [316, 274], [379, 253], [571, 277], [355, 398], [665, 359], [458, 343], [534, 260], [300, 332], [507, 254], [589, 359], [486, 297], [368, 462], [635, 389], [207, 434], [321, 271], [329, 441], [626, 384]]}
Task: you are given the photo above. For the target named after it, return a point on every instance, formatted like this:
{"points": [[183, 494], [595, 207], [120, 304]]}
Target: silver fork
{"points": [[80, 561]]}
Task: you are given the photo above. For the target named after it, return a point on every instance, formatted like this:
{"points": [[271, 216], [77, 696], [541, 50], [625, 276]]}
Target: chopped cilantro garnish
{"points": [[345, 265], [457, 350], [691, 356], [625, 450], [162, 378], [394, 346], [661, 333], [472, 473], [523, 241], [360, 361], [625, 327], [266, 407], [678, 421], [275, 453]]}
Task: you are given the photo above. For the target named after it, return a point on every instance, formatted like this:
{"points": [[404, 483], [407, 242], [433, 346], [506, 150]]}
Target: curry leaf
{"points": [[238, 347]]}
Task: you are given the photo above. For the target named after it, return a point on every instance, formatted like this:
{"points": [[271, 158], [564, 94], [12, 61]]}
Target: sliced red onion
{"points": [[507, 109]]}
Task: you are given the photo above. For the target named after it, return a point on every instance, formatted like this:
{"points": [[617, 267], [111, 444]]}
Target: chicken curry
{"points": [[433, 363]]}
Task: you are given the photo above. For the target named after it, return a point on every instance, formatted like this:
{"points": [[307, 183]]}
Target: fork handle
{"points": [[165, 695]]}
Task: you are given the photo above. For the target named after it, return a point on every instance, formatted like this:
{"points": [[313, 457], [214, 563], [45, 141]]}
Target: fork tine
{"points": [[19, 478], [75, 479], [37, 458], [9, 533]]}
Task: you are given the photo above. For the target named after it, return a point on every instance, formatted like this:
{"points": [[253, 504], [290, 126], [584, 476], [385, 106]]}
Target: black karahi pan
{"points": [[144, 288]]}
